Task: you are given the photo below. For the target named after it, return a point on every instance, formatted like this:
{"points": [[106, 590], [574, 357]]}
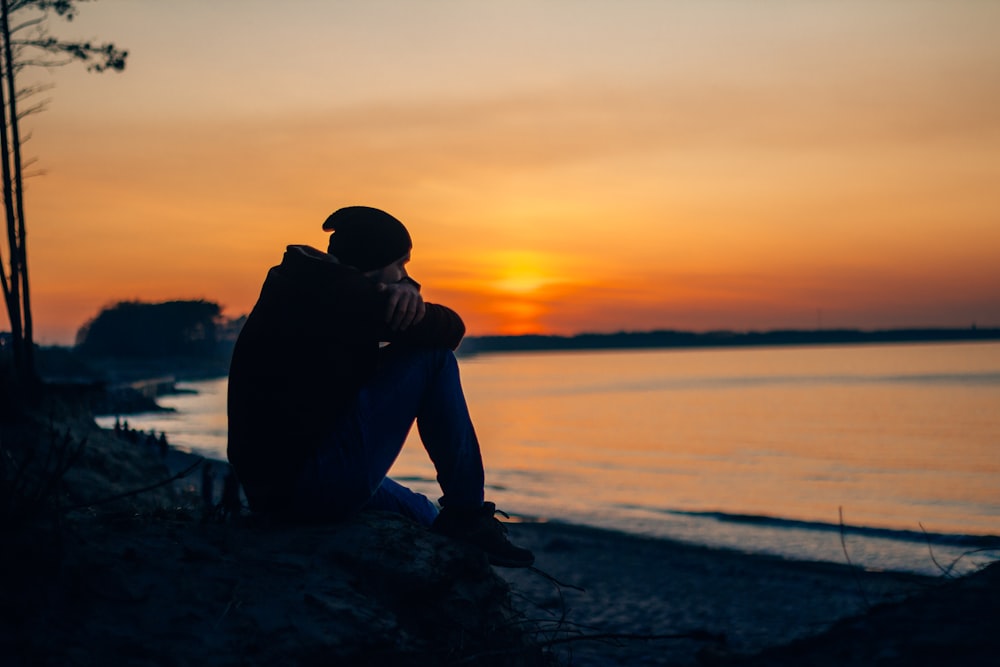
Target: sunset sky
{"points": [[563, 165]]}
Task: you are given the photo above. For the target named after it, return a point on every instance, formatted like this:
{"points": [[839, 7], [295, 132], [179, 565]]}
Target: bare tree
{"points": [[26, 42]]}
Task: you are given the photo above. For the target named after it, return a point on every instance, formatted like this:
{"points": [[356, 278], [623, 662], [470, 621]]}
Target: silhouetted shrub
{"points": [[137, 330]]}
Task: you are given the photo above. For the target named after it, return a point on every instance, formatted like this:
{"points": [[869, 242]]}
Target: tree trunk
{"points": [[12, 291], [28, 351]]}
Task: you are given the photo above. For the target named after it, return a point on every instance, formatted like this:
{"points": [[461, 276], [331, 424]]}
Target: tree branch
{"points": [[128, 494], [110, 56]]}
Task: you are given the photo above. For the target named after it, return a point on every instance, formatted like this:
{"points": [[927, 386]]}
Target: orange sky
{"points": [[563, 166]]}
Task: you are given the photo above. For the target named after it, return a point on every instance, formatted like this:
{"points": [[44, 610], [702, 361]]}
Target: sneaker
{"points": [[480, 528]]}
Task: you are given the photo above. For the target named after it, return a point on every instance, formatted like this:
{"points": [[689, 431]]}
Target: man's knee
{"points": [[434, 357]]}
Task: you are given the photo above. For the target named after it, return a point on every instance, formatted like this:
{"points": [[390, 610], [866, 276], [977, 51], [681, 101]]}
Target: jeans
{"points": [[348, 471]]}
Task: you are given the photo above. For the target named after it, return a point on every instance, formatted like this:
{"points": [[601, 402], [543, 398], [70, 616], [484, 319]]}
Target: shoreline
{"points": [[880, 520], [609, 597], [933, 553], [136, 566], [593, 581]]}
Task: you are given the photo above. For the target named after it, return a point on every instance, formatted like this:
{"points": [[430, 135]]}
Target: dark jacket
{"points": [[307, 347]]}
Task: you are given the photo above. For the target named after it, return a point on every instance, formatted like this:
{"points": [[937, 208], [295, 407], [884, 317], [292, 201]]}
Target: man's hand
{"points": [[405, 306]]}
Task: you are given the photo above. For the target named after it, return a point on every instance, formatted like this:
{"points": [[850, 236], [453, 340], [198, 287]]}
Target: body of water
{"points": [[886, 455]]}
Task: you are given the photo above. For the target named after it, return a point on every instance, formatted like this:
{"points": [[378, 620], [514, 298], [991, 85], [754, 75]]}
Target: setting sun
{"points": [[520, 273]]}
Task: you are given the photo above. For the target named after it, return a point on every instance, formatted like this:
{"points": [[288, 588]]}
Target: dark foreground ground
{"points": [[148, 580], [624, 590]]}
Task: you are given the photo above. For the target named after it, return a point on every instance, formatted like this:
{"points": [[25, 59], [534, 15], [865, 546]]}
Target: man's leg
{"points": [[348, 471], [391, 496]]}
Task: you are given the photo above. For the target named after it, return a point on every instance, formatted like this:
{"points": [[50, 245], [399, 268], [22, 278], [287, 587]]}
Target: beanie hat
{"points": [[366, 238]]}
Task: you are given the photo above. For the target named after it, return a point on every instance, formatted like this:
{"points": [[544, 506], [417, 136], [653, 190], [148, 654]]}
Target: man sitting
{"points": [[319, 406]]}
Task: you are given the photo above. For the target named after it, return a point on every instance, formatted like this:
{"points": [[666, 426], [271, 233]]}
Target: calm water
{"points": [[757, 449]]}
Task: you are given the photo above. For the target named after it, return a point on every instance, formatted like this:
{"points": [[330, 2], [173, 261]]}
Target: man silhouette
{"points": [[336, 361]]}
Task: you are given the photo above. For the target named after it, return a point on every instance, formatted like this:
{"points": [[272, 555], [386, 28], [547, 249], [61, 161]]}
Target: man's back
{"points": [[309, 344]]}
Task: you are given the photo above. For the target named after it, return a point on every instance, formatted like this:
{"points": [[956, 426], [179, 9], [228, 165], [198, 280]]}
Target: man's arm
{"points": [[409, 319]]}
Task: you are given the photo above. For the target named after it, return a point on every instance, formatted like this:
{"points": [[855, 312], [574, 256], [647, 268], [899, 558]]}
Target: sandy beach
{"points": [[730, 603], [604, 597], [150, 580]]}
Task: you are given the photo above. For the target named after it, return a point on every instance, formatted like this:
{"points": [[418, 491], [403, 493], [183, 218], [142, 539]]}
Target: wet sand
{"points": [[612, 586]]}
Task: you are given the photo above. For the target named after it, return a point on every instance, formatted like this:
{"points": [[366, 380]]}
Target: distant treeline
{"points": [[145, 336], [133, 339], [134, 329], [682, 339]]}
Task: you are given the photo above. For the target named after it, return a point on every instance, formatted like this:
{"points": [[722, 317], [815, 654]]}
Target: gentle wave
{"points": [[951, 539], [746, 382]]}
